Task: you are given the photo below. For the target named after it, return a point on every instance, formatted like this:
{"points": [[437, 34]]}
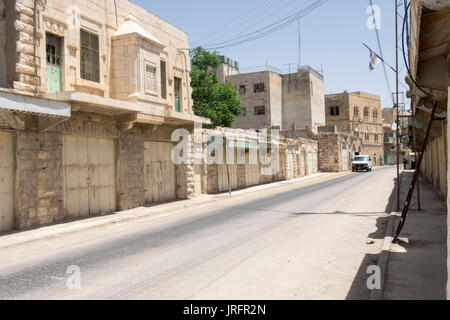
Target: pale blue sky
{"points": [[331, 37]]}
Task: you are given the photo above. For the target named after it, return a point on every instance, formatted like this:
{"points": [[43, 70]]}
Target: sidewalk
{"points": [[152, 212], [417, 267]]}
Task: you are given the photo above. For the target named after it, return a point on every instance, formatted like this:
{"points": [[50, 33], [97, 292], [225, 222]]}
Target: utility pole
{"points": [[397, 107]]}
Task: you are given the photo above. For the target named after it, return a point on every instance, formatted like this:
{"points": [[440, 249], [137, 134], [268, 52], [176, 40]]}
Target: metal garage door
{"points": [[160, 179], [89, 176], [6, 181], [228, 172], [290, 174], [251, 171]]}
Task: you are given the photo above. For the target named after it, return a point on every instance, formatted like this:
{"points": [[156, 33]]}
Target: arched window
{"points": [[375, 114], [366, 112]]}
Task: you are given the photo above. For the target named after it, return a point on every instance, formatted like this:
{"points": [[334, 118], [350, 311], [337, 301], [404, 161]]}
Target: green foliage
{"points": [[217, 101]]}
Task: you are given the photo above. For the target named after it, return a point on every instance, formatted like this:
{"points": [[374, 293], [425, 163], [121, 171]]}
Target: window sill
{"points": [[90, 84]]}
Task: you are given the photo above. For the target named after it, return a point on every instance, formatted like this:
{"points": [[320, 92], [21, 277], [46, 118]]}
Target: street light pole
{"points": [[396, 104]]}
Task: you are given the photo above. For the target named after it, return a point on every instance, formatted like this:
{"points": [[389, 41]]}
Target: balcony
{"points": [[389, 140]]}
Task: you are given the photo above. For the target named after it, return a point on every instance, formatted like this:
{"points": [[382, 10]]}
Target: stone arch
{"points": [[181, 70], [304, 161], [315, 160]]}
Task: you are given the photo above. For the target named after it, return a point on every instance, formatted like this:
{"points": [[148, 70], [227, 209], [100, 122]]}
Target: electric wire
{"points": [[255, 24], [269, 29], [276, 25], [224, 27], [381, 53]]}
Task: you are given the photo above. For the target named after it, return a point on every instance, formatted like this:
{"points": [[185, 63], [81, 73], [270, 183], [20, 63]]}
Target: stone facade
{"points": [[138, 91], [335, 149], [261, 110], [272, 99], [359, 115], [294, 157], [429, 62], [390, 147]]}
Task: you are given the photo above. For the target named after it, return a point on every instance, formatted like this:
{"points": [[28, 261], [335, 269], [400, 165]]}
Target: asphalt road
{"points": [[297, 243]]}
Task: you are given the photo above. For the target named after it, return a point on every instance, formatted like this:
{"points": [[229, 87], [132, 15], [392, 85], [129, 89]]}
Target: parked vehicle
{"points": [[362, 163]]}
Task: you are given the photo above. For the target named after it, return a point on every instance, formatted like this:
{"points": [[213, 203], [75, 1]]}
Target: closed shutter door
{"points": [[89, 176], [228, 172], [159, 172], [251, 171], [6, 181], [289, 165]]}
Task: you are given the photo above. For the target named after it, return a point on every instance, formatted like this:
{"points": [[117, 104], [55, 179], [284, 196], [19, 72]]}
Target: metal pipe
{"points": [[416, 175], [396, 102]]}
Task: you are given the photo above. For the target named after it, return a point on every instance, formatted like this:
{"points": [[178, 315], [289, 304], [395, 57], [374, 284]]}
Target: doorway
{"points": [[177, 86], [53, 69]]}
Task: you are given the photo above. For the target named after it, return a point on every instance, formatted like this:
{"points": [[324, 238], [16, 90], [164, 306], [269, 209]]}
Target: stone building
{"points": [[91, 94], [336, 149], [390, 145], [93, 102], [430, 68], [429, 82], [359, 115], [227, 68], [292, 101]]}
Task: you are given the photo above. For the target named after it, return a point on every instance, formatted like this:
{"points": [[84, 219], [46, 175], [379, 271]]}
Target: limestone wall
{"points": [[65, 18], [295, 158], [434, 164], [39, 195], [335, 150], [39, 182]]}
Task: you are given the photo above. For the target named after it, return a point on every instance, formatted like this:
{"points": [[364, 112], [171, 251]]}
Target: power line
{"points": [[255, 24], [275, 25], [269, 29], [381, 53], [259, 6]]}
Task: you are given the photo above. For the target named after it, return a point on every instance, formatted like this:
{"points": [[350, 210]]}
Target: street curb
{"points": [[383, 261], [53, 231]]}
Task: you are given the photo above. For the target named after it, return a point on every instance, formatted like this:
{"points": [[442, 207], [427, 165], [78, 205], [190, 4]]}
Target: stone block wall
{"points": [[130, 168], [39, 182], [309, 146], [39, 179], [330, 150], [434, 164]]}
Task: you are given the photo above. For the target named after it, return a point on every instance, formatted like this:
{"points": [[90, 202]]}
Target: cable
{"points": [[276, 26], [231, 22], [257, 23], [381, 53], [292, 18], [404, 54]]}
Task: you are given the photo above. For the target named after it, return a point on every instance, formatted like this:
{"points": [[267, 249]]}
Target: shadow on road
{"points": [[359, 290], [418, 263]]}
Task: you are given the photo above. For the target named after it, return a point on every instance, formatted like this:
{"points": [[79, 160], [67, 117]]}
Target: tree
{"points": [[217, 101]]}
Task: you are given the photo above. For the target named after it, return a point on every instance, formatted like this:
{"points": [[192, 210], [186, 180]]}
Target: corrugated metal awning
{"points": [[20, 103]]}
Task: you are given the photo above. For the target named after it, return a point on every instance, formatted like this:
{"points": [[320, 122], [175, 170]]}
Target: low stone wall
{"points": [[39, 195], [291, 155]]}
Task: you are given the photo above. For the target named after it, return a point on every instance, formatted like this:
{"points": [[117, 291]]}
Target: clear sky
{"points": [[331, 37]]}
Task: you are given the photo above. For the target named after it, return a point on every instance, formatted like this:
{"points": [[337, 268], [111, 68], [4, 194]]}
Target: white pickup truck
{"points": [[362, 163]]}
